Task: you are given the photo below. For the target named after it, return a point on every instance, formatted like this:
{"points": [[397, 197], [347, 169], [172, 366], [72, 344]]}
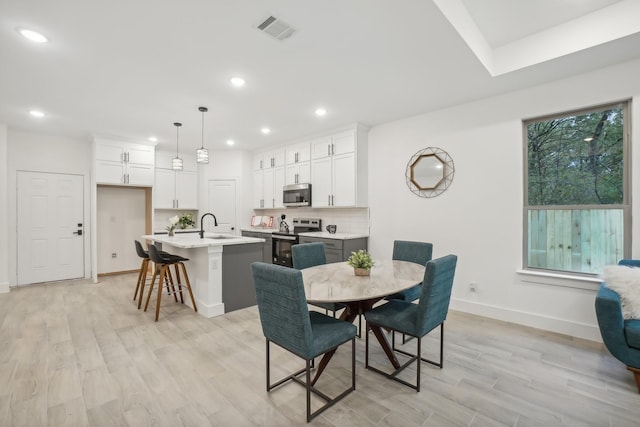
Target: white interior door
{"points": [[50, 227], [222, 203]]}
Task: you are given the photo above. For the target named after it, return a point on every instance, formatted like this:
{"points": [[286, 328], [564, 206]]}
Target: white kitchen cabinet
{"points": [[298, 153], [123, 163], [269, 159], [335, 165], [267, 188], [175, 189], [338, 170], [268, 179], [298, 173]]}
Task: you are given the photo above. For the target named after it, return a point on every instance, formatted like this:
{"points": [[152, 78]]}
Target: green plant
{"points": [[360, 259], [186, 220]]}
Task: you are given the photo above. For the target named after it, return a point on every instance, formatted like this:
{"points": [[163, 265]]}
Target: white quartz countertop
{"points": [[193, 240], [337, 236]]}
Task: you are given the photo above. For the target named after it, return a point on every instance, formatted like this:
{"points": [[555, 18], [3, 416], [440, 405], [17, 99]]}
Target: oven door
{"points": [[281, 246]]}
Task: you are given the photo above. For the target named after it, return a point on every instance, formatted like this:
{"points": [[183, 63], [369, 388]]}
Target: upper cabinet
{"points": [[175, 189], [268, 179], [298, 168], [298, 153], [335, 165], [124, 163], [269, 159], [339, 169]]}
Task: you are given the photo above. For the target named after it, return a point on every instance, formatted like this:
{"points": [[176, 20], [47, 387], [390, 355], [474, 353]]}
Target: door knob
{"points": [[79, 232]]}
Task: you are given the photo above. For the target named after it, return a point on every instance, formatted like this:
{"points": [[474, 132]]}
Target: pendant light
{"points": [[176, 163], [202, 154]]}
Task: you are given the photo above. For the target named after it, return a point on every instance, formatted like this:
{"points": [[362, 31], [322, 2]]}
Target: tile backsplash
{"points": [[348, 220]]}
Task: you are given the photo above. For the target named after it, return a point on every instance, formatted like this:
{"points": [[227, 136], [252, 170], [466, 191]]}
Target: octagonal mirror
{"points": [[427, 172]]}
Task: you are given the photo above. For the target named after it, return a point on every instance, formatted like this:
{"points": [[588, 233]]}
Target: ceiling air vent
{"points": [[276, 28]]}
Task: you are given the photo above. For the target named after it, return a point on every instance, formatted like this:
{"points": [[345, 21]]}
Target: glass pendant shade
{"points": [[176, 162], [202, 154]]}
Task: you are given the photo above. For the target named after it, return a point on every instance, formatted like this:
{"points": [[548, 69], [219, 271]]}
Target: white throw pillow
{"points": [[626, 282]]}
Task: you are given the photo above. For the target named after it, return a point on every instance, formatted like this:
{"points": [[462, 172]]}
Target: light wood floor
{"points": [[76, 354]]}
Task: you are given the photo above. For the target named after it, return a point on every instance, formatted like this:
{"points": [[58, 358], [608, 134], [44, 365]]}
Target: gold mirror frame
{"points": [[429, 172]]}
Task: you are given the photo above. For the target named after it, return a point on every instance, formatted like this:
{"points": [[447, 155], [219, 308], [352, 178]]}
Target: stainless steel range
{"points": [[282, 242]]}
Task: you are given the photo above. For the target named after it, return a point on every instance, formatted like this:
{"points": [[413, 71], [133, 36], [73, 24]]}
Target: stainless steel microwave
{"points": [[296, 195]]}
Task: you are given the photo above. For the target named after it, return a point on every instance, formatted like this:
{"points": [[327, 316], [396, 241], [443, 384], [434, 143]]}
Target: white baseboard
{"points": [[561, 326], [208, 311], [4, 287]]}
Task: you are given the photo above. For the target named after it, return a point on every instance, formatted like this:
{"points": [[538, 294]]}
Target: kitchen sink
{"points": [[220, 237]]}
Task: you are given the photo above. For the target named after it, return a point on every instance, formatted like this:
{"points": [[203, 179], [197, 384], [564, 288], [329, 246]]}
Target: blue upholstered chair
{"points": [[416, 252], [309, 255], [620, 336], [287, 322], [417, 320]]}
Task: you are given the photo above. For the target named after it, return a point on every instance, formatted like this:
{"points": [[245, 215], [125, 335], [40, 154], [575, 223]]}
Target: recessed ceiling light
{"points": [[36, 113], [230, 142], [34, 36], [153, 139], [237, 81], [265, 131], [320, 112]]}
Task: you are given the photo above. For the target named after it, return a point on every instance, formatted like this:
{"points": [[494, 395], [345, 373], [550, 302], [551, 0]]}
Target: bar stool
{"points": [[144, 268], [163, 263]]}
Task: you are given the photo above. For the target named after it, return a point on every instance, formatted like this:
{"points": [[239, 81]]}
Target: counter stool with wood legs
{"points": [[162, 267], [144, 269]]}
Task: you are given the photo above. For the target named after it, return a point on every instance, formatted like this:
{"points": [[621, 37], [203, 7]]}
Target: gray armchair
{"points": [[620, 336]]}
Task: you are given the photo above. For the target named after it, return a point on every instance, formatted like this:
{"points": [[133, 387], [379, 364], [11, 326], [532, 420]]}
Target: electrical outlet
{"points": [[114, 255], [473, 287]]}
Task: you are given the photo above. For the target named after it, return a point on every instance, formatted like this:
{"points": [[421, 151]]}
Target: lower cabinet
{"points": [[267, 251], [338, 250]]}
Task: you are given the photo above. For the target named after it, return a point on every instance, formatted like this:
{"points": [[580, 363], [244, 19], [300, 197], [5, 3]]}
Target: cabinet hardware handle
{"points": [[333, 149], [273, 203], [329, 200], [260, 164], [332, 200], [328, 149]]}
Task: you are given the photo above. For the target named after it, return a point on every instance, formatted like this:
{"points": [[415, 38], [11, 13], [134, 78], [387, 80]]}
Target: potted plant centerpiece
{"points": [[361, 262]]}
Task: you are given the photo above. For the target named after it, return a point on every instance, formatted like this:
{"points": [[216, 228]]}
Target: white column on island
{"points": [[205, 274]]}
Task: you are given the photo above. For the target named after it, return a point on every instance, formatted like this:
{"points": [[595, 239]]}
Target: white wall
{"points": [[4, 212], [44, 153], [480, 217], [121, 215]]}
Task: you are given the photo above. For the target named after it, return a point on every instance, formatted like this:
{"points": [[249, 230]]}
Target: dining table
{"points": [[337, 283]]}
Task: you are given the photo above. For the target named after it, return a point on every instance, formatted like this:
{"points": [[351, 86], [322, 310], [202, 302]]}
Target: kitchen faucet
{"points": [[215, 222]]}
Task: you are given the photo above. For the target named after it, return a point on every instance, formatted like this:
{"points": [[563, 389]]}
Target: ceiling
{"points": [[130, 69]]}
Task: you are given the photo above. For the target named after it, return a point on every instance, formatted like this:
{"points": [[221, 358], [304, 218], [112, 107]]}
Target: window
{"points": [[577, 212]]}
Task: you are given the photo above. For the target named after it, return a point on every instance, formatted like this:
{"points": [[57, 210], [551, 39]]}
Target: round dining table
{"points": [[337, 283]]}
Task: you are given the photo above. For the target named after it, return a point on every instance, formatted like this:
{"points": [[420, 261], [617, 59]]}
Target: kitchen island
{"points": [[219, 268]]}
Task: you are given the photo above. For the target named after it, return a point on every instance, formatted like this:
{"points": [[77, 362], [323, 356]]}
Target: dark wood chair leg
{"points": [[636, 376], [153, 280], [188, 285]]}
